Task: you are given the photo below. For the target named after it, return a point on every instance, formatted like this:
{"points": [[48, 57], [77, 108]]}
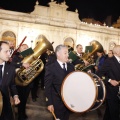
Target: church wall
{"points": [[56, 24], [32, 31], [57, 34]]}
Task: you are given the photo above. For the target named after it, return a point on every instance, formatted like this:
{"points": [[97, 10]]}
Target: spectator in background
{"points": [[100, 60], [110, 53], [111, 70]]}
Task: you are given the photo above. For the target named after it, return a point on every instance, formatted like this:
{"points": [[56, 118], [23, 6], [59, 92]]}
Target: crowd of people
{"points": [[57, 65]]}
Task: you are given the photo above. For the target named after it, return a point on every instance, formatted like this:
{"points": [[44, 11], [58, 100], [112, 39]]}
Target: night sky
{"points": [[97, 9]]}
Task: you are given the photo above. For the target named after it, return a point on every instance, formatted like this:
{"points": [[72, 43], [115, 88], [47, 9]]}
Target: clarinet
{"points": [[18, 47]]}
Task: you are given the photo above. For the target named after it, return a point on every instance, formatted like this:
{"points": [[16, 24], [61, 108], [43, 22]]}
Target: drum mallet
{"points": [[55, 116]]}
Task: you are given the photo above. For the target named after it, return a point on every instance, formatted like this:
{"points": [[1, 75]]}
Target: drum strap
{"points": [[56, 91]]}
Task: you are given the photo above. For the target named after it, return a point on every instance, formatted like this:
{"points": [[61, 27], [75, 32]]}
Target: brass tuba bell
{"points": [[26, 76], [96, 46]]}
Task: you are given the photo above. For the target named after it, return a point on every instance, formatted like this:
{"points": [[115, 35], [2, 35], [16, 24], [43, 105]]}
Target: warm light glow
{"points": [[31, 34], [84, 40]]}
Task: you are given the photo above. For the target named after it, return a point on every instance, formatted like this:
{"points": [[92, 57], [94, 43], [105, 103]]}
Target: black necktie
{"points": [[64, 67], [1, 73]]}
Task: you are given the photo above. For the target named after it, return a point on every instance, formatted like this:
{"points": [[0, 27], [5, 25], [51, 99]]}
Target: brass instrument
{"points": [[18, 47], [96, 46], [26, 76]]}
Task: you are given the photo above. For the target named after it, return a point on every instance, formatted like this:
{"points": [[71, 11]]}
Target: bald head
{"points": [[110, 53], [23, 47], [116, 50]]}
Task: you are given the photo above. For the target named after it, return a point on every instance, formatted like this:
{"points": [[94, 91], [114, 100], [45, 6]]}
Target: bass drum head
{"points": [[78, 91]]}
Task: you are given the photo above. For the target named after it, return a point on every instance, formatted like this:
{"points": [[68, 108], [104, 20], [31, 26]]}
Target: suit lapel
{"points": [[117, 64], [58, 67], [68, 67], [5, 75], [60, 70]]}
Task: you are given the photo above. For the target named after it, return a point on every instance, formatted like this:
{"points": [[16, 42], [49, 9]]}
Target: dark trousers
{"points": [[63, 115], [60, 109], [23, 92], [42, 74], [36, 81], [112, 110], [35, 87], [6, 113], [5, 117]]}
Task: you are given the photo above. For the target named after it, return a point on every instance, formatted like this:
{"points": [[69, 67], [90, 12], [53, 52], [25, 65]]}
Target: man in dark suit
{"points": [[79, 50], [111, 70], [7, 82], [54, 76], [23, 91], [80, 53]]}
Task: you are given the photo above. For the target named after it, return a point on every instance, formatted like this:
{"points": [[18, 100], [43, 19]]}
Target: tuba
{"points": [[96, 46], [26, 76]]}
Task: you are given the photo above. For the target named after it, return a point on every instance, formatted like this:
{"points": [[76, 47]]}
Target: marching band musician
{"points": [[110, 53], [100, 59], [39, 78], [18, 58], [79, 50], [75, 57], [48, 58], [80, 53], [51, 57], [7, 74], [54, 76], [111, 70], [12, 47], [23, 91]]}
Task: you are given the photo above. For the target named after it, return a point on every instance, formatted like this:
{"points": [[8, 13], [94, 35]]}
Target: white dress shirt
{"points": [[61, 64], [80, 55], [118, 59], [3, 68]]}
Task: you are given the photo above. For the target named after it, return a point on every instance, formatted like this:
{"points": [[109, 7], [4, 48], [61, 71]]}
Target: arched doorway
{"points": [[69, 42], [9, 36], [112, 45], [44, 42]]}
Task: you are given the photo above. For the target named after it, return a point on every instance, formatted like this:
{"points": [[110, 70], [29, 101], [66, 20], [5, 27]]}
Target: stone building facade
{"points": [[57, 24]]}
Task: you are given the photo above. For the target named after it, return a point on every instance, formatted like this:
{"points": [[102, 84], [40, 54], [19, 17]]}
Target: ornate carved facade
{"points": [[57, 24]]}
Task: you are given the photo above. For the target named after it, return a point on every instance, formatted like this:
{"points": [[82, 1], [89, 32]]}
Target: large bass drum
{"points": [[82, 92]]}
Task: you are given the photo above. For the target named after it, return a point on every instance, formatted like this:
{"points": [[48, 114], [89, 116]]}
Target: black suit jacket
{"points": [[75, 58], [8, 88], [54, 76], [16, 60], [111, 69]]}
